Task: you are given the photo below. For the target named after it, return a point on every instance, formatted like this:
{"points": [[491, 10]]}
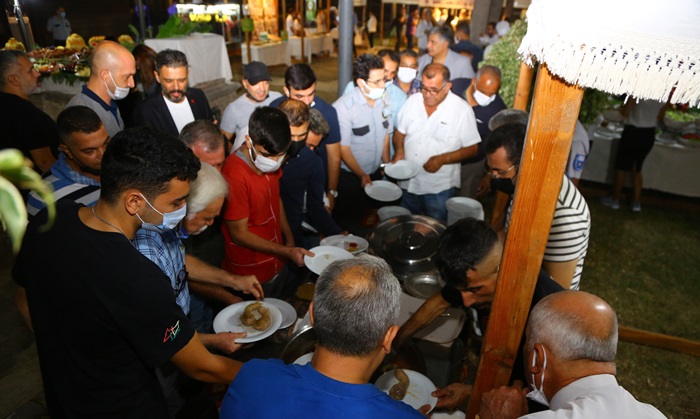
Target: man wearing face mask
{"points": [[112, 69], [468, 258], [365, 124], [567, 243], [179, 104], [303, 181], [571, 347], [256, 81], [408, 70], [485, 101], [257, 235], [464, 46], [58, 27]]}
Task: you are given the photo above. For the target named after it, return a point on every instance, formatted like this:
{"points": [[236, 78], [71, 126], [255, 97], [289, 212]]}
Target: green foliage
{"points": [[174, 26], [504, 55], [594, 102]]}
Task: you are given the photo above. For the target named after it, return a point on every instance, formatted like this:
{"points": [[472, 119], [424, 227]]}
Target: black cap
{"points": [[255, 72]]}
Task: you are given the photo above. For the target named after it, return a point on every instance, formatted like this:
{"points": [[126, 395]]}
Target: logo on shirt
{"points": [[579, 160], [171, 332]]}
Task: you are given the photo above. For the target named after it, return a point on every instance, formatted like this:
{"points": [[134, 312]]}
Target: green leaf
{"points": [[13, 213]]}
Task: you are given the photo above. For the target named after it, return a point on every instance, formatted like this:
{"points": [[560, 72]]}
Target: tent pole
{"points": [[555, 110], [381, 24]]}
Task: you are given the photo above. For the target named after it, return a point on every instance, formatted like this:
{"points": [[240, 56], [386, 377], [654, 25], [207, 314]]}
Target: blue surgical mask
{"points": [[537, 394], [170, 219], [63, 14]]}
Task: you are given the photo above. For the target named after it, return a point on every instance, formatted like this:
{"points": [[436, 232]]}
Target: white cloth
{"points": [[580, 147], [289, 25], [643, 114], [452, 126], [641, 48], [372, 24], [596, 396], [181, 112]]}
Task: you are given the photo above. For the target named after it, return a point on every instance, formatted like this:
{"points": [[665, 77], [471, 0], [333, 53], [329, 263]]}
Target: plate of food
{"points": [[384, 191], [411, 387], [289, 314], [352, 244], [324, 256], [259, 319], [402, 169]]}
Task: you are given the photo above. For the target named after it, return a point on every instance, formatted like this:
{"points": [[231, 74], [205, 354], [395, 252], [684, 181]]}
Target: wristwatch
{"points": [[333, 193]]}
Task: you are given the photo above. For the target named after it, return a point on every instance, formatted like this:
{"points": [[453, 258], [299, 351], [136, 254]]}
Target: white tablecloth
{"points": [[270, 54], [206, 55], [668, 167], [48, 85], [312, 45]]}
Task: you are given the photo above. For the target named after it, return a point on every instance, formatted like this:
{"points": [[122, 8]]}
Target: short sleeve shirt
{"points": [[238, 112], [580, 147]]}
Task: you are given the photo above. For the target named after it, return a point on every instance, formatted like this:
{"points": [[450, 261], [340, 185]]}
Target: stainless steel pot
{"points": [[301, 343], [408, 243], [423, 284]]}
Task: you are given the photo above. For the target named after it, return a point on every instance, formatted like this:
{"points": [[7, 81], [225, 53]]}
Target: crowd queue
{"points": [[162, 224]]}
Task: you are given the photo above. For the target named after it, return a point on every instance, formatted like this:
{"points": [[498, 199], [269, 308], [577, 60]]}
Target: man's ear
{"points": [[389, 338], [64, 148], [286, 91], [539, 351], [12, 79], [155, 73], [132, 201], [449, 86], [311, 313]]}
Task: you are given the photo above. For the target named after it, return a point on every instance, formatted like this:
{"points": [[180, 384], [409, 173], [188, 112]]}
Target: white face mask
{"points": [[265, 164], [407, 74], [170, 219], [119, 92], [482, 99], [374, 93], [537, 394]]}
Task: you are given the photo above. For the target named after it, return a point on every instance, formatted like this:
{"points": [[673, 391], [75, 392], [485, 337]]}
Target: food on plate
{"points": [[75, 41], [692, 137], [95, 40], [680, 116], [14, 44], [352, 247], [82, 71], [398, 390], [257, 316]]}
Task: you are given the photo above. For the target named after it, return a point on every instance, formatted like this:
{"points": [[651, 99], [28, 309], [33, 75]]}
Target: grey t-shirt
{"points": [[238, 112], [112, 124]]}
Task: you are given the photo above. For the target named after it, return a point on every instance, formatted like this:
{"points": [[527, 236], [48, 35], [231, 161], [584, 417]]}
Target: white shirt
{"points": [[596, 396], [372, 24], [181, 113], [643, 114], [452, 126], [422, 37]]}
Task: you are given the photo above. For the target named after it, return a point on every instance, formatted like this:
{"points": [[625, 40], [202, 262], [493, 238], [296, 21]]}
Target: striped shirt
{"points": [[570, 231], [66, 184]]}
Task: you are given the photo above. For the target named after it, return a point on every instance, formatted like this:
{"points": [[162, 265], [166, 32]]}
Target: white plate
{"points": [[391, 211], [402, 169], [613, 115], [304, 359], [419, 391], [352, 244], [228, 320], [324, 256], [384, 191], [289, 314]]}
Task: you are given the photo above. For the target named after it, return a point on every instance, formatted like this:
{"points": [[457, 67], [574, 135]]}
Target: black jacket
{"points": [[153, 112]]}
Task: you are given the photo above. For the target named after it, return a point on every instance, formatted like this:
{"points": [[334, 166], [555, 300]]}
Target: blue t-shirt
{"points": [[271, 389]]}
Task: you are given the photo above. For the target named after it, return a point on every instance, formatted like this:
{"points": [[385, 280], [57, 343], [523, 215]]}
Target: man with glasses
{"points": [[365, 124], [436, 130], [468, 258], [439, 52], [571, 225]]}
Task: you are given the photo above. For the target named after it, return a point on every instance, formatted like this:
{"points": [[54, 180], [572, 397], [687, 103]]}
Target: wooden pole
{"points": [[554, 113], [381, 25], [247, 34], [658, 340], [522, 97], [302, 22]]}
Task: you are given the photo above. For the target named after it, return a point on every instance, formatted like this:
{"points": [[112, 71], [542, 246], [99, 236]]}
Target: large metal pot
{"points": [[408, 243]]}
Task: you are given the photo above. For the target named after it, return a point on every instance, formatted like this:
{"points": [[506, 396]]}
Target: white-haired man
{"points": [[570, 364]]}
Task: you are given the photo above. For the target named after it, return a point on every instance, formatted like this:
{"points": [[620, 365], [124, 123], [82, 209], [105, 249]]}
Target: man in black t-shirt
{"points": [[468, 258], [104, 316]]}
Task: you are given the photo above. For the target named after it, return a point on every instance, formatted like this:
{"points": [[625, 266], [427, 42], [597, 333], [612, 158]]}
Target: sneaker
{"points": [[610, 203], [636, 207]]}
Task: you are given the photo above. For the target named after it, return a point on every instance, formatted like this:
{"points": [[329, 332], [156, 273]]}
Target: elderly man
{"points": [[571, 225], [436, 131], [485, 101], [179, 104], [464, 46], [256, 81], [468, 258], [76, 174], [365, 124], [112, 69], [439, 52], [300, 84], [354, 314], [205, 141], [25, 127], [571, 347], [116, 306]]}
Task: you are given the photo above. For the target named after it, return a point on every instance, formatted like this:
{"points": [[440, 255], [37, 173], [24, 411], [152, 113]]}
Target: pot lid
{"points": [[406, 239]]}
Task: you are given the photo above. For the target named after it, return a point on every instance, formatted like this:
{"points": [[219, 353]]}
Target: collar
{"points": [[61, 169], [253, 99], [112, 107], [580, 388], [327, 384]]}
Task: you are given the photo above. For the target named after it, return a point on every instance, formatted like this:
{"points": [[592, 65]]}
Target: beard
{"points": [[169, 95], [87, 169]]}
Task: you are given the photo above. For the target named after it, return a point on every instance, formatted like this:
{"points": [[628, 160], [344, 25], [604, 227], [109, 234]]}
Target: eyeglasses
{"points": [[374, 82], [426, 90], [497, 172]]}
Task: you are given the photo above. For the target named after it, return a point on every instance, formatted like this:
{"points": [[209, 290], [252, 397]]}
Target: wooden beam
{"points": [[658, 340], [548, 141]]}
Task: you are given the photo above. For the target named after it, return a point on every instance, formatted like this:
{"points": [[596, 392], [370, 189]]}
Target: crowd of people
{"points": [[166, 215]]}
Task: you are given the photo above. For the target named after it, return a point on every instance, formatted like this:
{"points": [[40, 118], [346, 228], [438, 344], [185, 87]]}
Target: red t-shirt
{"points": [[257, 198]]}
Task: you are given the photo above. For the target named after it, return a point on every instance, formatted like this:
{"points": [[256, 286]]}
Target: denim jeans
{"points": [[433, 205]]}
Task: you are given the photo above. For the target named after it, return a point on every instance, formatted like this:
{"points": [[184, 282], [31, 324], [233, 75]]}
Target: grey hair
{"points": [[203, 132], [355, 302], [507, 117], [444, 32], [318, 123], [208, 186], [489, 69], [569, 335], [8, 60]]}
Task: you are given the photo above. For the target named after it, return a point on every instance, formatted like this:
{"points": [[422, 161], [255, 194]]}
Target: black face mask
{"points": [[296, 147], [504, 185]]}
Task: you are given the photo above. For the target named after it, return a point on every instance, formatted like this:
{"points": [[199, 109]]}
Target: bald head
{"points": [[111, 67], [575, 325], [109, 54]]}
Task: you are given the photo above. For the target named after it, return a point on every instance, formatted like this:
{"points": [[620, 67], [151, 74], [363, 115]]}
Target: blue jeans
{"points": [[432, 205]]}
